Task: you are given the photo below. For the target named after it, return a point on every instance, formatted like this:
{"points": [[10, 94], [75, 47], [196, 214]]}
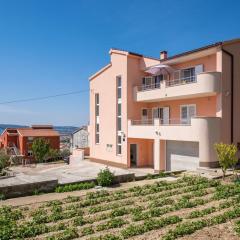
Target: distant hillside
{"points": [[63, 130]]}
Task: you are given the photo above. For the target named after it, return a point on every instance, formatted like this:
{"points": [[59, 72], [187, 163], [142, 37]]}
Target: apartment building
{"points": [[166, 113], [19, 140]]}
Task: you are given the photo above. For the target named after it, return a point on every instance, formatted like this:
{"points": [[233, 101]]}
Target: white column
{"points": [[156, 154]]}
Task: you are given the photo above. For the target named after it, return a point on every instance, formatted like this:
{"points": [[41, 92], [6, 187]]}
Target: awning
{"points": [[160, 69]]}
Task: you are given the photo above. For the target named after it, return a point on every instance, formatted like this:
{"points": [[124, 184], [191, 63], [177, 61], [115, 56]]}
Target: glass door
{"points": [[187, 112]]}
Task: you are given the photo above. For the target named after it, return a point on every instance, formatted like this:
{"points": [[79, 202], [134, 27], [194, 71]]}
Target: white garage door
{"points": [[182, 155]]}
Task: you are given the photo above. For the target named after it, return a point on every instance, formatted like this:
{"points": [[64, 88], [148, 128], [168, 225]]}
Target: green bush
{"points": [[53, 154], [105, 177], [4, 160], [75, 187], [65, 153], [226, 154], [67, 234]]}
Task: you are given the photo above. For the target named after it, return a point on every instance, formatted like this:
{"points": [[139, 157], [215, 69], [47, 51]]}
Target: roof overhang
{"points": [[100, 71], [192, 55]]}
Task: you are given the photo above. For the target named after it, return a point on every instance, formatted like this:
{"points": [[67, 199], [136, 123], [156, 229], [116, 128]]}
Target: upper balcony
{"points": [[199, 85]]}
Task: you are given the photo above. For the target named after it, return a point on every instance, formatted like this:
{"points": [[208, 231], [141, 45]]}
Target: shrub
{"points": [[65, 153], [53, 154], [4, 160], [226, 154], [67, 234], [87, 231], [105, 177], [74, 187]]}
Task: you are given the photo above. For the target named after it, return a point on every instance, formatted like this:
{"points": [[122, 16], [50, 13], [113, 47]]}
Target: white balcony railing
{"points": [[143, 122], [169, 83], [163, 122], [147, 87], [203, 84], [201, 129], [181, 81]]}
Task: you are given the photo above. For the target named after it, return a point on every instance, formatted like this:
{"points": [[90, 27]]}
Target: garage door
{"points": [[182, 155]]}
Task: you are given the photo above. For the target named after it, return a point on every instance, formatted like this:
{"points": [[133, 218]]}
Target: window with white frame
{"points": [[188, 74], [187, 112], [97, 137], [119, 115]]}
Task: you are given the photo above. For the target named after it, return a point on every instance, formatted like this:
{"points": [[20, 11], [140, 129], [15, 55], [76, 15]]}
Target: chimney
{"points": [[163, 55]]}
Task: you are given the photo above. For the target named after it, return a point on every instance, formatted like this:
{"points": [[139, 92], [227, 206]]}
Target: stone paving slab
{"points": [[85, 170], [44, 177], [21, 179]]}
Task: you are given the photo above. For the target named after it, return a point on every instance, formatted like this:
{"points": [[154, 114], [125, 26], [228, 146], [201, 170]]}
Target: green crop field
{"points": [[161, 210]]}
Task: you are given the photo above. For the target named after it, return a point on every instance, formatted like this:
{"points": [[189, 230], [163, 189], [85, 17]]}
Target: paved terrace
{"points": [[65, 174]]}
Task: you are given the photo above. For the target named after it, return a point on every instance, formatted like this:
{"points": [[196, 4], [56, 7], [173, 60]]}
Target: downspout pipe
{"points": [[232, 87]]}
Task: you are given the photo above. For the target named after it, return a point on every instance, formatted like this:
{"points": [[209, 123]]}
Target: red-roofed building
{"points": [[19, 140]]}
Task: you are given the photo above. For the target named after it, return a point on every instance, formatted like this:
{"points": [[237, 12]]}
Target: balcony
{"points": [[203, 84], [195, 130]]}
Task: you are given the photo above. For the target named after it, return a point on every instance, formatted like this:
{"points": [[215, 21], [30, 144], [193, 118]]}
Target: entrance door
{"points": [[133, 154]]}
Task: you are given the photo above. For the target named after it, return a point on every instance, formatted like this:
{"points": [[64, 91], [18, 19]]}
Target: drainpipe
{"points": [[232, 87]]}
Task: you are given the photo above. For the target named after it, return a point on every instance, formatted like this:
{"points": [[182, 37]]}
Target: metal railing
{"points": [[163, 122], [143, 122], [181, 81], [169, 83], [148, 87]]}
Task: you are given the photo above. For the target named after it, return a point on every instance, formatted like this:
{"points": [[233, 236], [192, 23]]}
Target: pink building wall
{"points": [[131, 68]]}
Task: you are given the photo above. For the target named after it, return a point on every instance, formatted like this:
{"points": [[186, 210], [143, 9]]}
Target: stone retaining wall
{"points": [[11, 191]]}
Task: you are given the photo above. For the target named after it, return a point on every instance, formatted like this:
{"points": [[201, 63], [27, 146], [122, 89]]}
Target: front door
{"points": [[133, 154]]}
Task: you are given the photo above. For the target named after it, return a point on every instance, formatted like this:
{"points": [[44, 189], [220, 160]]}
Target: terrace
{"points": [[196, 85]]}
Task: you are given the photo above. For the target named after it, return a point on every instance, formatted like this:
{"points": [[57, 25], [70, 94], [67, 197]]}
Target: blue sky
{"points": [[52, 46]]}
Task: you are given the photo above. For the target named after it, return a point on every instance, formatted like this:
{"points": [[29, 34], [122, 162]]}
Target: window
{"points": [[187, 112], [157, 80], [30, 153], [119, 115], [152, 82], [30, 139], [119, 109], [144, 112], [188, 74], [119, 149], [97, 137], [119, 123]]}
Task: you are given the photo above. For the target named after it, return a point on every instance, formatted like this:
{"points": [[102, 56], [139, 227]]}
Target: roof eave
{"points": [[100, 71]]}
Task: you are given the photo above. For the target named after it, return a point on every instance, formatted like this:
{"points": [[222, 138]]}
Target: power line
{"points": [[43, 97]]}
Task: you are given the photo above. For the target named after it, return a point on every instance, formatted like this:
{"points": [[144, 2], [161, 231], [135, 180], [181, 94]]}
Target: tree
{"points": [[53, 154], [40, 148], [227, 158], [4, 160]]}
